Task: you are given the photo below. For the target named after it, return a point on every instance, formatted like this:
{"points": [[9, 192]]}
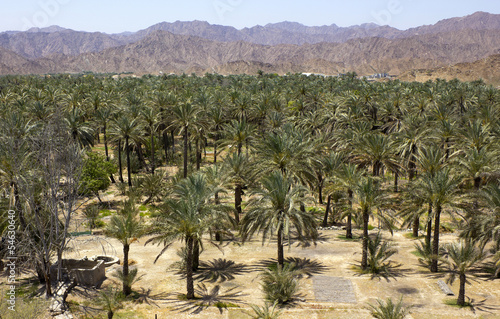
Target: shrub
{"points": [[378, 253], [280, 285], [268, 311], [388, 309]]}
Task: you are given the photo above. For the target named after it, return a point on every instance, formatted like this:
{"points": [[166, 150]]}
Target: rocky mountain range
{"points": [[200, 47]]}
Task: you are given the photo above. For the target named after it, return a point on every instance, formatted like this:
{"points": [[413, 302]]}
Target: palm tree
{"points": [[348, 177], [289, 151], [184, 117], [441, 190], [462, 257], [274, 208], [78, 128], [103, 117], [484, 220], [369, 197], [239, 134], [186, 216], [126, 227], [151, 118], [378, 151], [238, 169], [124, 128]]}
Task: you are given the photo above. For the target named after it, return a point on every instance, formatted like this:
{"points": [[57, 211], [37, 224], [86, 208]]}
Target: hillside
{"points": [[487, 69], [166, 52], [197, 46]]}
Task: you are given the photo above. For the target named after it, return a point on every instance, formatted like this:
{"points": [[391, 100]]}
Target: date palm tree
{"points": [[442, 192], [274, 210], [371, 200], [462, 257], [124, 128], [188, 214], [184, 118], [127, 228], [151, 117]]}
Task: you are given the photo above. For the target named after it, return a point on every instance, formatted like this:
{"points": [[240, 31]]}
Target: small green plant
{"points": [[453, 302], [378, 253], [105, 213], [110, 301], [91, 212], [424, 252], [129, 280], [389, 309], [268, 311], [280, 285]]}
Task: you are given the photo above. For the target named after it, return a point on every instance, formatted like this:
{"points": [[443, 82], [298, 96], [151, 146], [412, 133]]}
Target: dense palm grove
{"points": [[260, 155]]}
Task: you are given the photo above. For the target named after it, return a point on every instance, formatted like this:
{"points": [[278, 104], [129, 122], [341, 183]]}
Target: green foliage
{"points": [[128, 280], [95, 174], [110, 300], [378, 253], [280, 285], [389, 309], [92, 213], [424, 252], [268, 311]]}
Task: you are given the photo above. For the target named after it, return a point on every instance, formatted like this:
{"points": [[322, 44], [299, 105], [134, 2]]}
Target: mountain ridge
{"points": [[191, 47]]}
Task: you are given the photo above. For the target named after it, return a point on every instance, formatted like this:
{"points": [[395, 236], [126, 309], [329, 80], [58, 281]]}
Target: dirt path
{"points": [[232, 277]]}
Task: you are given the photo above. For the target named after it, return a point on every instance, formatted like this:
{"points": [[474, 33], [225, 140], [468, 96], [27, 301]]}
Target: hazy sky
{"points": [[113, 16]]}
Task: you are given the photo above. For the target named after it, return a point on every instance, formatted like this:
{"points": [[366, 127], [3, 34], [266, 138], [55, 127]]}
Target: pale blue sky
{"points": [[113, 16]]}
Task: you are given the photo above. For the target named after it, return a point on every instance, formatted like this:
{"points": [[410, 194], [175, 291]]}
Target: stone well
{"points": [[86, 272]]}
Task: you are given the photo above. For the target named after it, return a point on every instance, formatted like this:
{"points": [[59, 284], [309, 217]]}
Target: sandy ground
{"points": [[236, 280]]}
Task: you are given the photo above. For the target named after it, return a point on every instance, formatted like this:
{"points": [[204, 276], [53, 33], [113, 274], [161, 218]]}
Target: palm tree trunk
{"points": [[416, 226], [237, 202], [120, 168], [164, 138], [348, 228], [126, 287], [396, 178], [364, 257], [216, 138], [196, 255], [477, 185], [327, 210], [129, 170], [172, 136], [198, 154], [189, 268], [376, 168], [429, 227], [152, 152], [185, 154], [281, 256], [435, 243], [461, 291], [320, 188], [111, 177]]}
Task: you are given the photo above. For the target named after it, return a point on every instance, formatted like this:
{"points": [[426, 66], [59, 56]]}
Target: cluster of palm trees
{"points": [[403, 153]]}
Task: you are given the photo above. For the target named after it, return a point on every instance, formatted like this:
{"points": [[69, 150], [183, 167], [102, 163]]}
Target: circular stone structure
{"points": [[108, 260]]}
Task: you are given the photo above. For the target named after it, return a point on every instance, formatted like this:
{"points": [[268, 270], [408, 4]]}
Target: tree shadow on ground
{"points": [[305, 241], [486, 271], [220, 270], [482, 306], [388, 271], [206, 297], [306, 266]]}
